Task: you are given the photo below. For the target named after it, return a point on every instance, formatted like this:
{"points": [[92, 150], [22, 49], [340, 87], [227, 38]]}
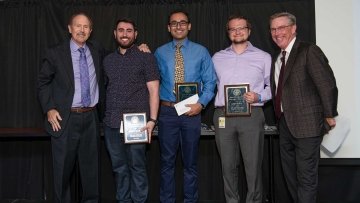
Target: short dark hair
{"points": [[179, 11], [80, 13], [126, 20], [240, 17]]}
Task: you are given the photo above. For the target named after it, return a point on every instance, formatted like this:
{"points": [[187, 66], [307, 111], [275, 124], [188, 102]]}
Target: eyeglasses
{"points": [[182, 23], [240, 29], [280, 29]]}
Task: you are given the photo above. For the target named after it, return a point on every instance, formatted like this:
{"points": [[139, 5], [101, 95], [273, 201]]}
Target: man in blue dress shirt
{"points": [[182, 131]]}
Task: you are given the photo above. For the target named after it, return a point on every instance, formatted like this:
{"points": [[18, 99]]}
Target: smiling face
{"points": [[282, 31], [238, 31], [125, 34], [179, 26], [80, 29]]}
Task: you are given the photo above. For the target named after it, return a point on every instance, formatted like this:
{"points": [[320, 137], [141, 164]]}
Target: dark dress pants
{"points": [[300, 162], [129, 166], [174, 132], [79, 142]]}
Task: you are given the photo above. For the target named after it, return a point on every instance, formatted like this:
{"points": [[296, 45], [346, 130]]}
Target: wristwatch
{"points": [[153, 120]]}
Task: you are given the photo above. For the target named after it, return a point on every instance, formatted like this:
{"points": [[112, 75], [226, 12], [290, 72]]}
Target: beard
{"points": [[239, 41], [127, 44]]}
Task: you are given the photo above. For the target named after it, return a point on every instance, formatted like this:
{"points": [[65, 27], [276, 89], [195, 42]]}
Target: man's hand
{"points": [[149, 127], [144, 48], [331, 122], [251, 97], [195, 109], [54, 117]]}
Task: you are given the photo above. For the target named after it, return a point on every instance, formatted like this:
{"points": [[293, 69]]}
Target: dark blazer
{"points": [[56, 86], [309, 92]]}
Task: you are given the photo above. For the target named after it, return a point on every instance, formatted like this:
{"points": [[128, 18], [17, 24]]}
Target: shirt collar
{"points": [[290, 46], [249, 47], [74, 47], [184, 43], [129, 50]]}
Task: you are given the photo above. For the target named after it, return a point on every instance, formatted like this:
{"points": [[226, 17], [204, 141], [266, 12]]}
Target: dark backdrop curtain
{"points": [[28, 27]]}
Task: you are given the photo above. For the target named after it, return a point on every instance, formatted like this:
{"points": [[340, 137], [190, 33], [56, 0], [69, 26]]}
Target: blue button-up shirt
{"points": [[198, 67]]}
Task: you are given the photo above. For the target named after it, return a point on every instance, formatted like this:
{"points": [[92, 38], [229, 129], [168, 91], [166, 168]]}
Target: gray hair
{"points": [[289, 16]]}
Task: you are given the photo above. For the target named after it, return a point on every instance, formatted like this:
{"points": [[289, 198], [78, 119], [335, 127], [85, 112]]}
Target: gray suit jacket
{"points": [[309, 92], [56, 86]]}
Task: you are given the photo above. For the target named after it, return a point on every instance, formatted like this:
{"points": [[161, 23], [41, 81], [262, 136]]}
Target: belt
{"points": [[223, 107], [82, 109], [167, 103]]}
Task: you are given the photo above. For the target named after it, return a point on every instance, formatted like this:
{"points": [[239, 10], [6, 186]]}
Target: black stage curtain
{"points": [[28, 27]]}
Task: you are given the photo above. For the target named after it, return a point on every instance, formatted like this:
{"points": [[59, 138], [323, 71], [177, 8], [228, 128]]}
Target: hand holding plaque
{"points": [[235, 103], [133, 125], [185, 90]]}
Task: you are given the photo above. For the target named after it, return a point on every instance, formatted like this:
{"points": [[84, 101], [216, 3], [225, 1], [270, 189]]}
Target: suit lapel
{"points": [[291, 60], [272, 74], [68, 65]]}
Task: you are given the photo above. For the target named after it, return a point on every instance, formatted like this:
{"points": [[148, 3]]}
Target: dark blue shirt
{"points": [[126, 90]]}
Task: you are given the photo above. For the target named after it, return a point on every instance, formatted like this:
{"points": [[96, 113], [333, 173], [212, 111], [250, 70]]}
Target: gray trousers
{"points": [[245, 135]]}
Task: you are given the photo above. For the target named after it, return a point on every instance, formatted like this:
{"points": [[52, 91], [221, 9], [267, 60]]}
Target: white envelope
{"points": [[180, 106], [333, 140]]}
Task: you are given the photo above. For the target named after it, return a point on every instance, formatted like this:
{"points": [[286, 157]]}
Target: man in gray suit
{"points": [[305, 97]]}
